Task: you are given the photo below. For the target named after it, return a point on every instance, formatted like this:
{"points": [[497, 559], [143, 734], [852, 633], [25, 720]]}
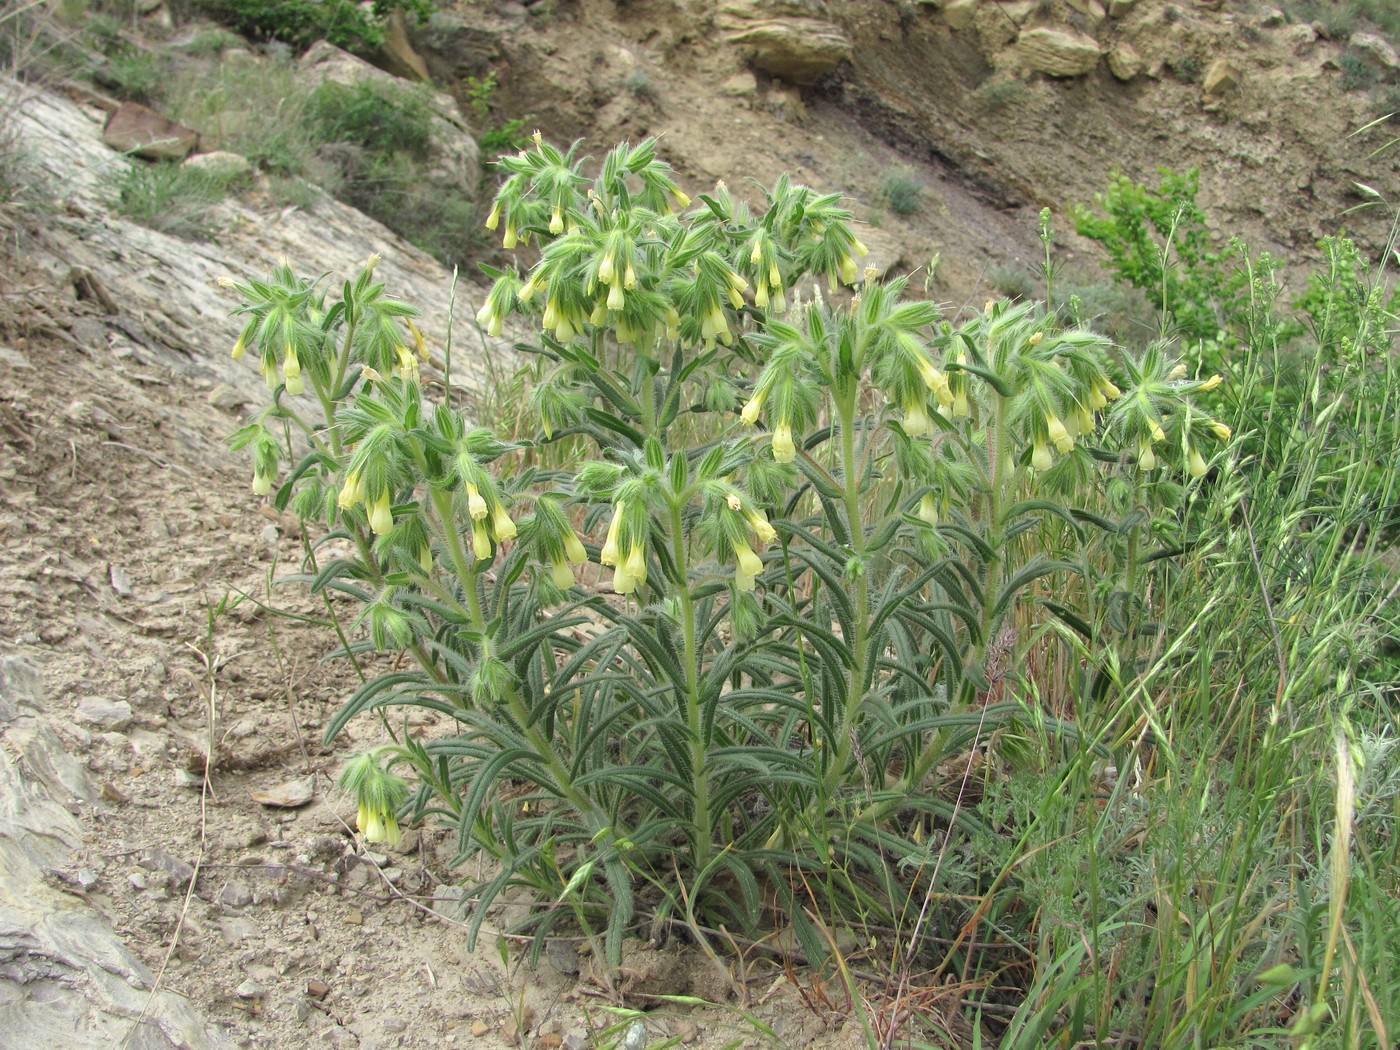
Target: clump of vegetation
{"points": [[901, 191], [1357, 73], [173, 198], [300, 23], [1003, 92], [493, 138]]}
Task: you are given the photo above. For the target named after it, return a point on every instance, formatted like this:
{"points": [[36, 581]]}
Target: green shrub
{"points": [[1357, 73], [901, 191], [1158, 240]]}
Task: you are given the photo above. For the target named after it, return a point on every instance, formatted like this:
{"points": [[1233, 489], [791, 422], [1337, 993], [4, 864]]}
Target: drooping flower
{"points": [[784, 451], [561, 574], [476, 503], [262, 484], [762, 528], [1147, 459], [238, 348], [573, 549], [608, 555], [1220, 430], [1055, 430], [1211, 383], [353, 491], [481, 542], [749, 563], [501, 524], [1041, 459], [631, 572], [291, 371], [753, 407], [381, 515], [1195, 464]]}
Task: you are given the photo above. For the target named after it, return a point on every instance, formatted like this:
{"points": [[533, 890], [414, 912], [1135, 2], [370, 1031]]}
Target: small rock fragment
{"points": [[480, 1028], [291, 795], [250, 989], [317, 989], [104, 713], [235, 894], [121, 582]]}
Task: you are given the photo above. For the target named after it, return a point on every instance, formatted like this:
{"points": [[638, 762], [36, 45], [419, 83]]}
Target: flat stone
{"points": [[235, 894], [104, 713], [796, 47], [1374, 52], [236, 930], [1058, 53], [1124, 62], [1221, 78], [221, 164], [1119, 8], [959, 14], [153, 859], [142, 132], [740, 85], [290, 795], [451, 903], [250, 989]]}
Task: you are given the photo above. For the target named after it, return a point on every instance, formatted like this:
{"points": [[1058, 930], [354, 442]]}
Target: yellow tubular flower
{"points": [[573, 549], [608, 555], [1194, 463], [1211, 383], [1147, 459], [1041, 459], [753, 407], [291, 372], [629, 278], [501, 524], [392, 835], [481, 542], [681, 199], [425, 558], [616, 300], [262, 484], [607, 269], [476, 504], [494, 219], [419, 343], [637, 563], [238, 349], [760, 296], [1086, 419], [1179, 372], [556, 221], [1220, 430], [849, 269], [762, 528], [510, 240], [1036, 338], [352, 491], [373, 827], [960, 404], [916, 421], [928, 508], [1057, 433], [381, 516], [749, 563], [1157, 433], [784, 451], [550, 317], [1096, 397], [1109, 390]]}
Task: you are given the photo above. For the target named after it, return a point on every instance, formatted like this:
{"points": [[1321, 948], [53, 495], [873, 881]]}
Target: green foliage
{"points": [[1357, 73], [300, 23], [901, 191], [171, 197], [1003, 92], [1158, 240], [494, 138], [1341, 18]]}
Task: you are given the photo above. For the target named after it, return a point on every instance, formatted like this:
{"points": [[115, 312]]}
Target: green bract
{"points": [[815, 541]]}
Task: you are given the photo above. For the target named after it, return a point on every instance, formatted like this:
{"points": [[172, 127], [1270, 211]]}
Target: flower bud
{"points": [[425, 558], [556, 221], [1220, 430], [238, 348], [419, 343], [1158, 434], [616, 300], [381, 516], [262, 484], [494, 219], [629, 278], [1211, 383], [1085, 418], [1147, 459], [1179, 372], [1109, 390], [928, 508], [1035, 338], [510, 240], [561, 574], [961, 407], [1096, 397], [1057, 433], [784, 451], [607, 269]]}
